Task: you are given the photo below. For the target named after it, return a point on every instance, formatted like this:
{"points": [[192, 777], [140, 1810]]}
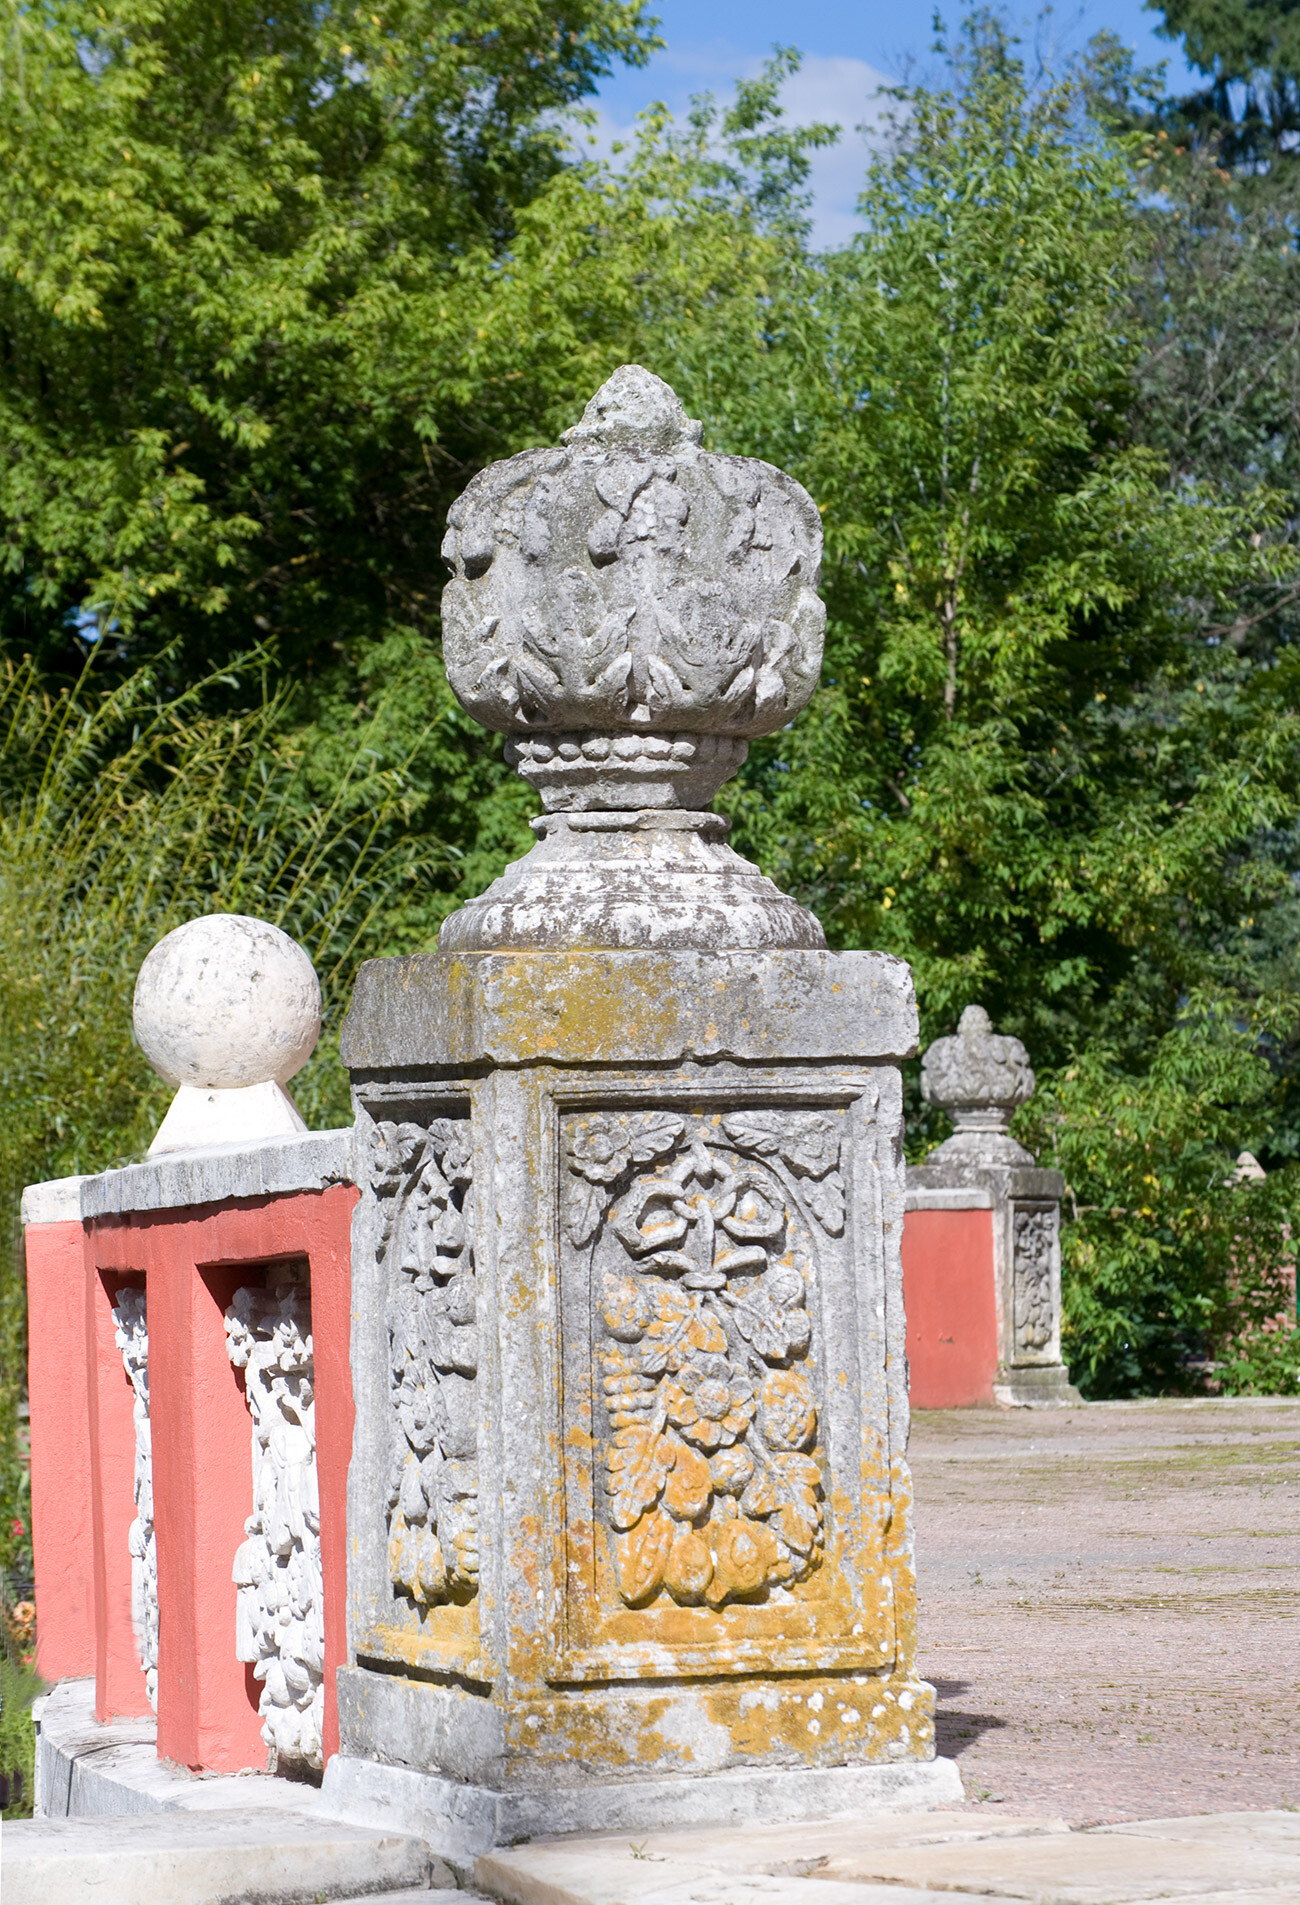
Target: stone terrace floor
{"points": [[1110, 1605]]}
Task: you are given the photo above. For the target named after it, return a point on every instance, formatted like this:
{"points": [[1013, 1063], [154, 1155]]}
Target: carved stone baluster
{"points": [[279, 1620], [132, 1336]]}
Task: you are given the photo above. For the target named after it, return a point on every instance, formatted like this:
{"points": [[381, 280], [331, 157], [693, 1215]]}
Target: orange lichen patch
{"points": [[581, 1004], [451, 1645]]}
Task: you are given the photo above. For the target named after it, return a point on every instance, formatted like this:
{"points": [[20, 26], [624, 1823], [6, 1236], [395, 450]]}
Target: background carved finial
{"points": [[978, 1076]]}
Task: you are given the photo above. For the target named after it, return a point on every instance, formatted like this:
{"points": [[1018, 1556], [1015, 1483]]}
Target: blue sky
{"points": [[850, 48]]}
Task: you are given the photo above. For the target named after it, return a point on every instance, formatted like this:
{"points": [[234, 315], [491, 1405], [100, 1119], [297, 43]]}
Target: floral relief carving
{"points": [[1034, 1245], [131, 1333], [423, 1177], [280, 1604], [704, 1341]]}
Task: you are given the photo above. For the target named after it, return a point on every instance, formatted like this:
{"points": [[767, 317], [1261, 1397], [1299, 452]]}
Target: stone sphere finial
{"points": [[978, 1076], [227, 1008], [631, 609]]}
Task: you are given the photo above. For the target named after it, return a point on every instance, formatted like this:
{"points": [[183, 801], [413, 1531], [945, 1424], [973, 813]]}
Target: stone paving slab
{"points": [[778, 1847], [554, 1874], [210, 1858], [440, 1895], [1079, 1868], [1251, 1828], [1240, 1859]]}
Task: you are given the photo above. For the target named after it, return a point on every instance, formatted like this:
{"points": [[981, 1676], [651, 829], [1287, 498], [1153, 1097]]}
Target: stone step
{"points": [[229, 1857], [936, 1859]]}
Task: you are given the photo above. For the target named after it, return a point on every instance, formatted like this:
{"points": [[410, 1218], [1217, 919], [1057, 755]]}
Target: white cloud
{"points": [[835, 91], [841, 92]]}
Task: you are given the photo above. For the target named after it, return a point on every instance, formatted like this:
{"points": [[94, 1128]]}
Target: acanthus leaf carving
{"points": [[423, 1178], [702, 568], [280, 1602]]}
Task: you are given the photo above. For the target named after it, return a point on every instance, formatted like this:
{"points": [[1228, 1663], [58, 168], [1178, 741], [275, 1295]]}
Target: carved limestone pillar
{"points": [[979, 1076], [629, 1517]]}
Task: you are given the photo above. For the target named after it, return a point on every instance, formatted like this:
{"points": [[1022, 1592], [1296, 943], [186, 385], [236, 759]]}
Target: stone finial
{"points": [[227, 1009], [978, 1076], [630, 610]]}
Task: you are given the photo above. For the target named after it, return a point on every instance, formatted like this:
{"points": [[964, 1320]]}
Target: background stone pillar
{"points": [[979, 1077], [628, 1501]]}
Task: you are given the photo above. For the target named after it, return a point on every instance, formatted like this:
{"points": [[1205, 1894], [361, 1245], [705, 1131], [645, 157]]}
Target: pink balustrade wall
{"points": [[189, 1261]]}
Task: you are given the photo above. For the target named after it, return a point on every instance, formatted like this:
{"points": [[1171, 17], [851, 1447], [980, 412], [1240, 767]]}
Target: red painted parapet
{"points": [[950, 1299], [161, 1249], [59, 1392]]}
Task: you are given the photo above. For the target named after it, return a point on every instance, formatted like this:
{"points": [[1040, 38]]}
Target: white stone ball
{"points": [[225, 1001]]}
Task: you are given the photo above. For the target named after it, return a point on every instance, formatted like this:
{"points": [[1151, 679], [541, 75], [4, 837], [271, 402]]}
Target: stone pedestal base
{"points": [[1046, 1386], [628, 1496], [1026, 1205], [461, 1822]]}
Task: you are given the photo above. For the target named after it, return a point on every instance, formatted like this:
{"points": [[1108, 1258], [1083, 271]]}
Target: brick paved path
{"points": [[1110, 1604]]}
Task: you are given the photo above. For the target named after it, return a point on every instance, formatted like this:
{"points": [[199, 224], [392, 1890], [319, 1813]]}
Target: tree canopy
{"points": [[274, 286]]}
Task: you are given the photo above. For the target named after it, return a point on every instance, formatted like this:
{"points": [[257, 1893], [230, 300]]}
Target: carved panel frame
{"points": [[840, 1617]]}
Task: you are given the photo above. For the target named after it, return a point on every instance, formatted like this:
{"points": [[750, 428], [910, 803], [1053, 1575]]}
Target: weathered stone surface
{"points": [[1080, 1868], [85, 1767], [55, 1202], [203, 1858], [554, 1875], [631, 611], [270, 1168], [683, 1321], [918, 1861], [599, 1008], [201, 1116], [635, 879], [227, 1009], [632, 583], [227, 1001], [629, 1517], [464, 1820]]}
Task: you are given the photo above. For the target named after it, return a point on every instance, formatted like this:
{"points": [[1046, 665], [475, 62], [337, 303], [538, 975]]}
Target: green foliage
{"points": [[122, 814], [1171, 1262], [1056, 756], [19, 1686], [271, 290], [1024, 771], [1249, 50], [246, 266]]}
